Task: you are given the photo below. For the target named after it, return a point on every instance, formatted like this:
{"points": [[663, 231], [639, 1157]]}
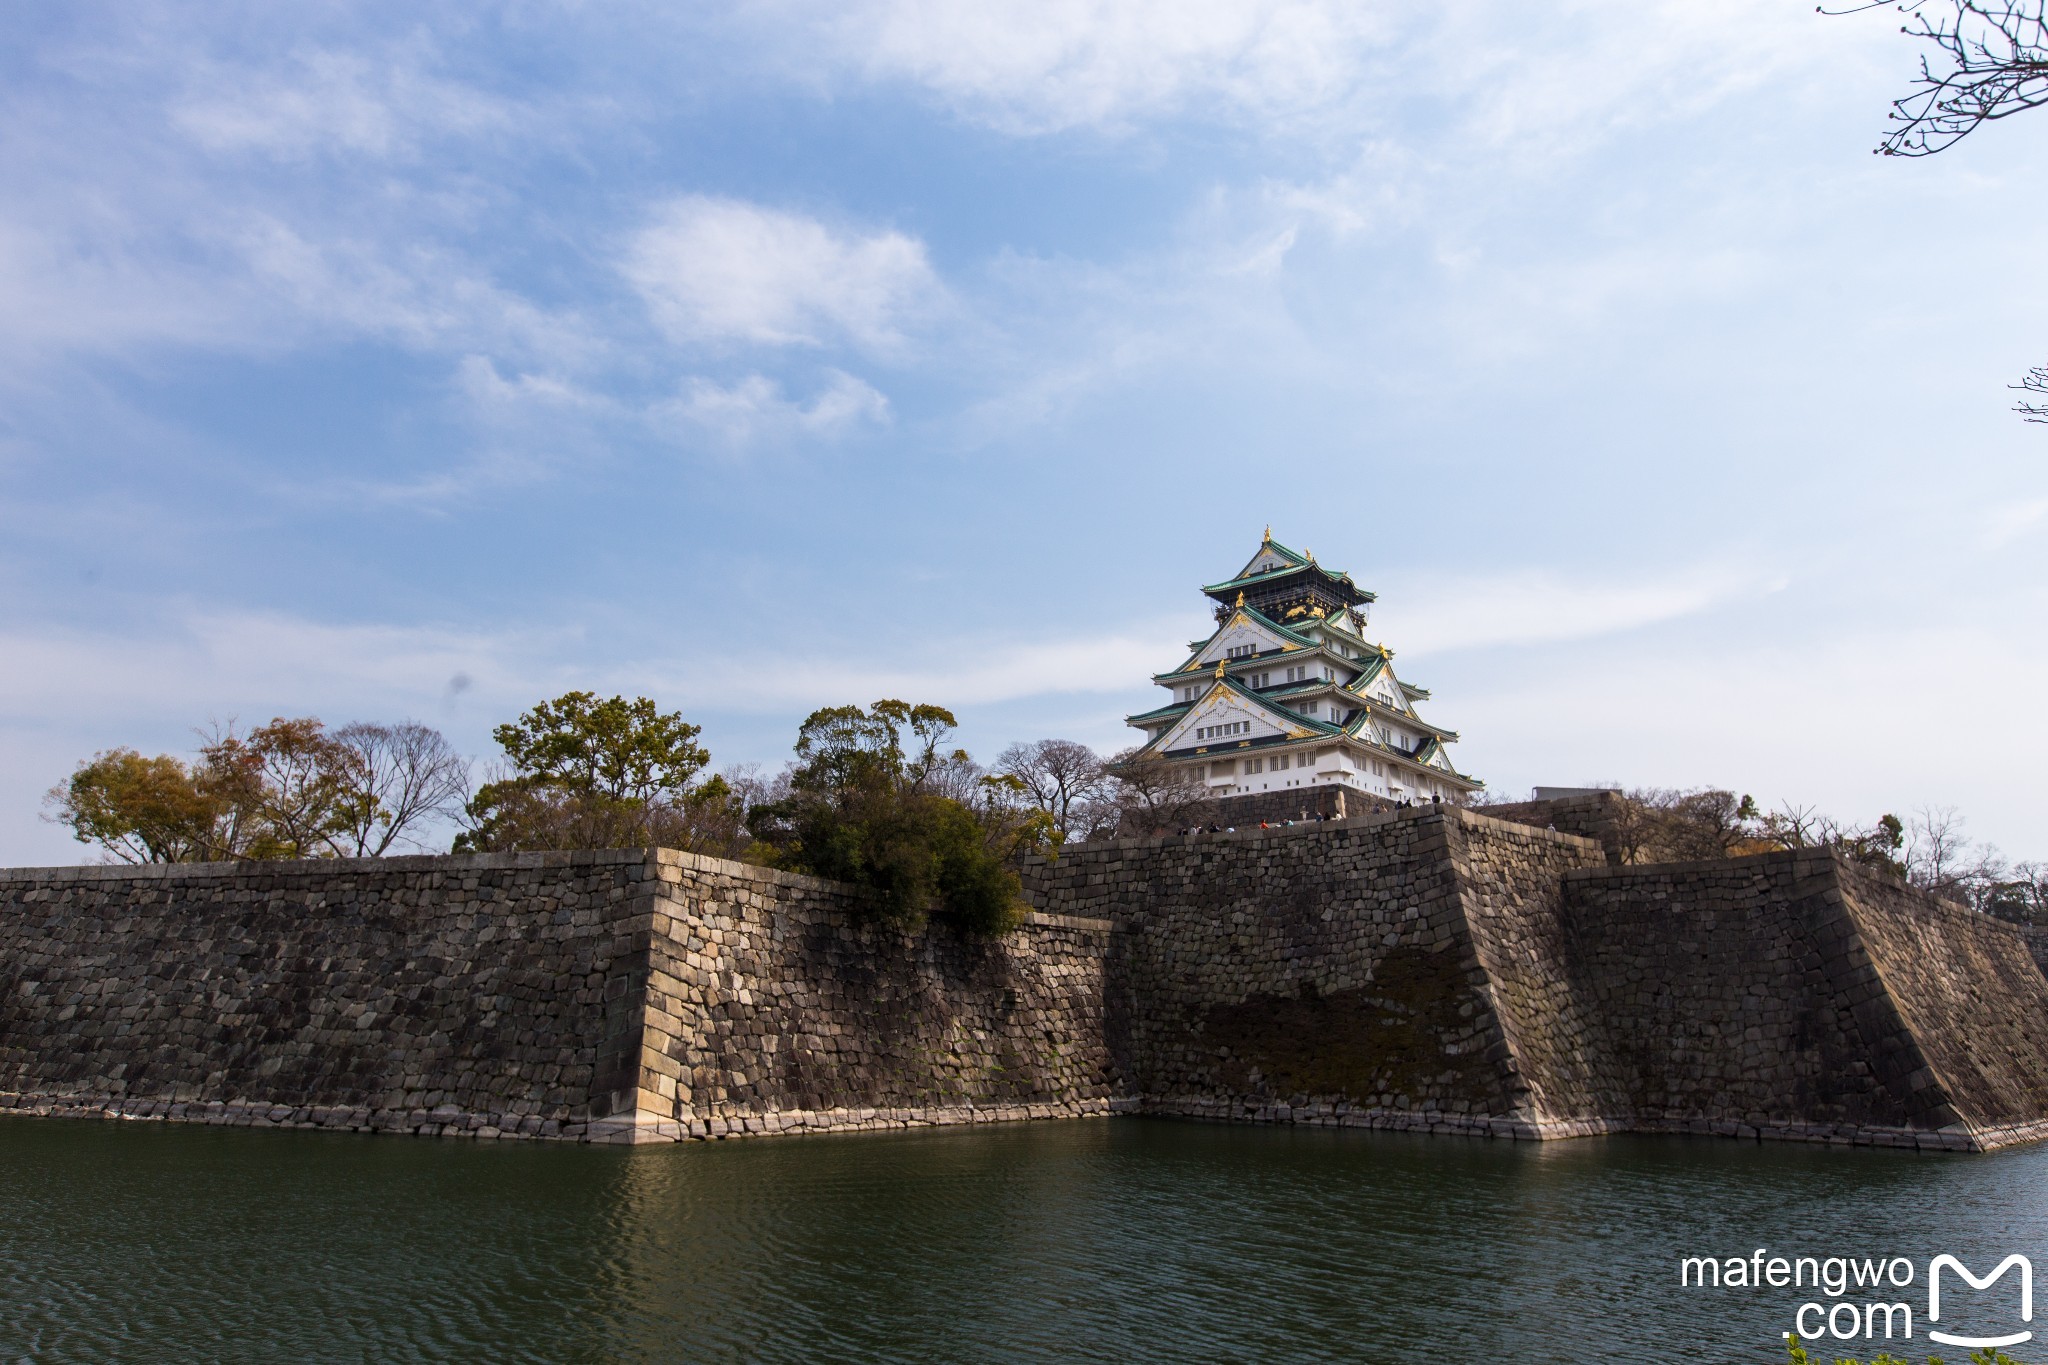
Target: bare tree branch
{"points": [[409, 773], [2035, 382], [1064, 779], [1990, 61]]}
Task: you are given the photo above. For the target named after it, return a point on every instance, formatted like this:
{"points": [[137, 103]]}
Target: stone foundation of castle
{"points": [[1425, 969]]}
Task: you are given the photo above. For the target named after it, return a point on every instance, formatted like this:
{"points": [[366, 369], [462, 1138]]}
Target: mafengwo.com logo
{"points": [[1875, 1299]]}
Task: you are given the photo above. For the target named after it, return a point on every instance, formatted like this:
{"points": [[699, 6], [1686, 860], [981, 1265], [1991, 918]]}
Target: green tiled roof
{"points": [[1253, 580]]}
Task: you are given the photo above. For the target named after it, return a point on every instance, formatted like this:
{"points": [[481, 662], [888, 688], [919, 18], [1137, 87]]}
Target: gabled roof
{"points": [[1172, 710], [1299, 564], [1432, 750], [1270, 546], [1193, 665], [1280, 715], [1415, 722], [1329, 624], [1369, 670]]}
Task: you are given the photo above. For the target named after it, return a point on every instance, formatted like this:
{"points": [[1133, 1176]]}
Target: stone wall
{"points": [[1598, 816], [1427, 968], [770, 1008], [1970, 996], [1442, 969], [1375, 972], [599, 995], [1327, 801], [1740, 993], [1795, 995]]}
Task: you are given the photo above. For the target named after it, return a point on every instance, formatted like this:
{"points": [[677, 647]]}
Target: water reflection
{"points": [[1092, 1240]]}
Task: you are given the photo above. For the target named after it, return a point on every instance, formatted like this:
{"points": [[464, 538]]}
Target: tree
{"points": [[1943, 859], [1661, 824], [2021, 896], [863, 807], [2035, 382], [1064, 779], [1150, 795], [1990, 62], [616, 749], [141, 810], [595, 773], [1877, 846], [408, 774], [306, 787]]}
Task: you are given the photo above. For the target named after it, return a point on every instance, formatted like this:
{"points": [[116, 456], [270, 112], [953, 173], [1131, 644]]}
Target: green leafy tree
{"points": [[590, 772], [143, 810], [305, 789], [876, 799]]}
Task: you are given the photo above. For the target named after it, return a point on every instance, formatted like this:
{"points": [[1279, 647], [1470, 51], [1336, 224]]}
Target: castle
{"points": [[1287, 692]]}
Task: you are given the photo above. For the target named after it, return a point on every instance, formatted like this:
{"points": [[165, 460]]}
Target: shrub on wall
{"points": [[876, 799]]}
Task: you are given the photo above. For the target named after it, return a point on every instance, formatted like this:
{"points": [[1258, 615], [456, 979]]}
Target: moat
{"points": [[1094, 1239]]}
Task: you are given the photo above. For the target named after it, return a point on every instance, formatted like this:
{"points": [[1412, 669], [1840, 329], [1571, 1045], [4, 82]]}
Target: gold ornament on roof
{"points": [[1315, 611], [1219, 670], [1240, 597], [1269, 533]]}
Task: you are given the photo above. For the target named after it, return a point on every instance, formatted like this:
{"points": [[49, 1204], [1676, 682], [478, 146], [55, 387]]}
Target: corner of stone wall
{"points": [[1509, 876], [626, 1103], [1970, 1001]]}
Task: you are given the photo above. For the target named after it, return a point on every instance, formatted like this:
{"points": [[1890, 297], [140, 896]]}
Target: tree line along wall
{"points": [[618, 996]]}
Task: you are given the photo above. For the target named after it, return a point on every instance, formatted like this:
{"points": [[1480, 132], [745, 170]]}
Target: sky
{"points": [[378, 361]]}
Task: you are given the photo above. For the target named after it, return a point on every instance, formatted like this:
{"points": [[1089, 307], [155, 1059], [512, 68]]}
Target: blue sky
{"points": [[373, 362]]}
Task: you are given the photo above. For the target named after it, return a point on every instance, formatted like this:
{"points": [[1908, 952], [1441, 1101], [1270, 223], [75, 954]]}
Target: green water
{"points": [[1112, 1240]]}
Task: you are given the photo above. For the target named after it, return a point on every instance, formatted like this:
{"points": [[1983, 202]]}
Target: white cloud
{"points": [[753, 409], [1512, 72], [499, 399], [1436, 615], [415, 293], [380, 105], [194, 663], [1041, 65], [713, 269]]}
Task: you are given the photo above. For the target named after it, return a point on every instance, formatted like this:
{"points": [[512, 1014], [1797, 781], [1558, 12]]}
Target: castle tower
{"points": [[1288, 692]]}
